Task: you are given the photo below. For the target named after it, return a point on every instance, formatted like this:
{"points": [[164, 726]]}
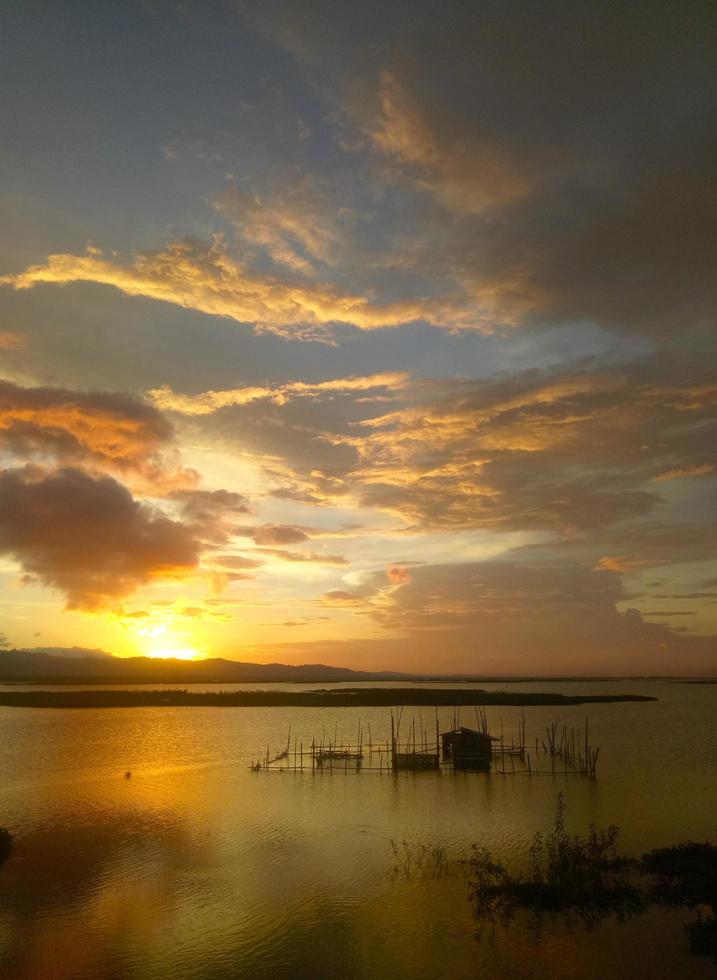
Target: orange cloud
{"points": [[681, 473], [398, 574], [111, 430], [467, 171], [9, 340], [620, 563]]}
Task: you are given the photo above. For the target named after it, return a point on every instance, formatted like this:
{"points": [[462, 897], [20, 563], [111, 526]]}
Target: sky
{"points": [[379, 335]]}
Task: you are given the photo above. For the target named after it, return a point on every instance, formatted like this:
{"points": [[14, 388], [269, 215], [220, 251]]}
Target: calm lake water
{"points": [[195, 867]]}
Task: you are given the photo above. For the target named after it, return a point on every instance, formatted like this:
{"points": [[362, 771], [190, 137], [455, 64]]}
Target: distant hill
{"points": [[94, 667]]}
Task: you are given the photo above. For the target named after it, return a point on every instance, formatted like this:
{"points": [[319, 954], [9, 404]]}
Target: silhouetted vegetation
{"points": [[334, 698], [585, 879], [686, 876], [422, 859], [5, 845], [582, 877]]}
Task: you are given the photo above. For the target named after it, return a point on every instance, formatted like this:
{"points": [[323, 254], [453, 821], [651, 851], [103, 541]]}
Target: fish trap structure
{"points": [[459, 749]]}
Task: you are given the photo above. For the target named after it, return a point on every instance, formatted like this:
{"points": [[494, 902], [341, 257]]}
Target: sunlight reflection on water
{"points": [[197, 867]]}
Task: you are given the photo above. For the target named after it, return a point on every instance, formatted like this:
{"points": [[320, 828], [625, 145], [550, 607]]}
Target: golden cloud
{"points": [[208, 279], [213, 401]]}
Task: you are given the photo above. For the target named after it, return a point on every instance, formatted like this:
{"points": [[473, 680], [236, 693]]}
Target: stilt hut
{"points": [[467, 748]]}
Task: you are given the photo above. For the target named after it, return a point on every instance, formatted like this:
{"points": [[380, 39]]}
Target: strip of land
{"points": [[337, 698]]}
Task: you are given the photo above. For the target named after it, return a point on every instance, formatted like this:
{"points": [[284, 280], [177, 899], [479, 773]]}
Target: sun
{"points": [[161, 641], [180, 653]]}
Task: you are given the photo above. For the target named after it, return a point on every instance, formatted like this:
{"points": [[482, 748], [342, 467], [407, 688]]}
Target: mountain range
{"points": [[57, 665]]}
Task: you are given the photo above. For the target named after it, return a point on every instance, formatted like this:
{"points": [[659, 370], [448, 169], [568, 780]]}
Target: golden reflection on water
{"points": [[196, 867]]}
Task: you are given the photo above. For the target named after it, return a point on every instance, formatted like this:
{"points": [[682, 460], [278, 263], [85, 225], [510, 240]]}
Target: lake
{"points": [[197, 867]]}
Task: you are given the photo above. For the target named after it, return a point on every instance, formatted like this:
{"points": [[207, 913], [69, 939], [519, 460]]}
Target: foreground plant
{"points": [[686, 876], [585, 879], [581, 877]]}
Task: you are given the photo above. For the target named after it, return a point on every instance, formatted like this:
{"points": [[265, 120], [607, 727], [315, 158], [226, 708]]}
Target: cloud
{"points": [[679, 474], [467, 171], [503, 171], [293, 228], [542, 449], [211, 513], [235, 561], [273, 534], [495, 612], [342, 597], [206, 278], [305, 556], [88, 537], [621, 563], [656, 542], [111, 428], [686, 595], [208, 402], [105, 429], [572, 449], [556, 449], [558, 171], [398, 574], [10, 340], [667, 612]]}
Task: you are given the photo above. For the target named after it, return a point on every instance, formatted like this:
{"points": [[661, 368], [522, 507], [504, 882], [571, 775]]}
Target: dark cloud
{"points": [[561, 158], [211, 512], [534, 166], [87, 536], [560, 614], [205, 505]]}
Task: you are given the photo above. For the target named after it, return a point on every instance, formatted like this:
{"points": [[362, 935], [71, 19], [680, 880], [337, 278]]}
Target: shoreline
{"points": [[346, 698]]}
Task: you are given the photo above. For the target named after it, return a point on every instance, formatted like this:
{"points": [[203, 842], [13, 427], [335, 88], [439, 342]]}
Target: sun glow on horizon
{"points": [[161, 642], [182, 653]]}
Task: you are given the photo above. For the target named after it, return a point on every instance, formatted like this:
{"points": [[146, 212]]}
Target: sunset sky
{"points": [[372, 334]]}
